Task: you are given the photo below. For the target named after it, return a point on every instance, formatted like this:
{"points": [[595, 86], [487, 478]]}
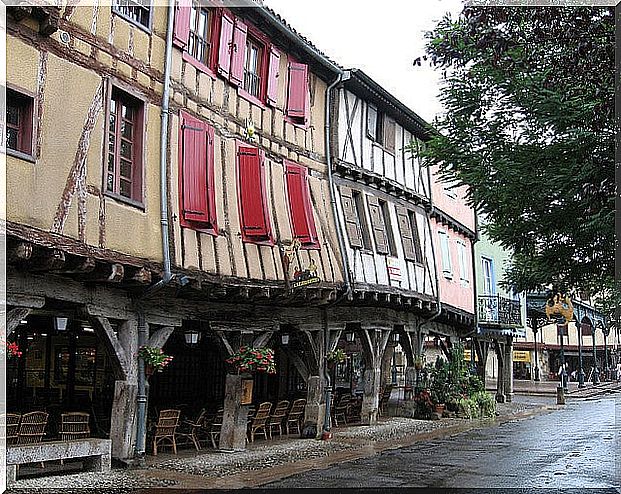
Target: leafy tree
{"points": [[529, 128]]}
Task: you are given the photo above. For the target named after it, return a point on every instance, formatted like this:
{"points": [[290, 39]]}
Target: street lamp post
{"points": [[580, 369], [595, 373], [561, 331], [606, 331], [537, 376]]}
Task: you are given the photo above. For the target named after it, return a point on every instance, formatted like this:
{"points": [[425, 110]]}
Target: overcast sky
{"points": [[381, 38]]}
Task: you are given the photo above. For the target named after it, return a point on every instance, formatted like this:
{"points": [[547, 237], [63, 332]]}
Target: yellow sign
{"points": [[468, 356], [521, 356]]}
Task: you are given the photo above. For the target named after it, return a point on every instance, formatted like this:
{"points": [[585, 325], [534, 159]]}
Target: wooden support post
{"points": [[500, 381], [234, 420], [508, 369], [374, 341], [315, 407]]}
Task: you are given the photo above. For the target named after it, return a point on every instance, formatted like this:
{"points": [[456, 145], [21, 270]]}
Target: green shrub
{"points": [[486, 403], [468, 409]]}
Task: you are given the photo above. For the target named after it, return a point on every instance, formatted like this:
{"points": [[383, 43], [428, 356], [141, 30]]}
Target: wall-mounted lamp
{"points": [[350, 336], [60, 323], [192, 336], [395, 337], [284, 338]]}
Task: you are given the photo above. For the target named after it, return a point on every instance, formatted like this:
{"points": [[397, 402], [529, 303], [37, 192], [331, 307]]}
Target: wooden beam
{"points": [[46, 260], [14, 317], [120, 361], [105, 272], [139, 275], [23, 300], [77, 265], [223, 338], [159, 337], [262, 339]]}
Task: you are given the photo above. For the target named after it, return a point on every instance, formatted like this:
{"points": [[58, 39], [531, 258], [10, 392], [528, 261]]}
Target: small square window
{"points": [[199, 40], [19, 122]]}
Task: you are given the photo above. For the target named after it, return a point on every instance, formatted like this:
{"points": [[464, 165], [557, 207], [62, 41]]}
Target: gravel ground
{"points": [[259, 456]]}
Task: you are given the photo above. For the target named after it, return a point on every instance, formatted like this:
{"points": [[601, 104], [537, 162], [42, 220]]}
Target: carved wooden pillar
{"points": [[500, 379], [508, 368], [234, 420], [374, 340]]}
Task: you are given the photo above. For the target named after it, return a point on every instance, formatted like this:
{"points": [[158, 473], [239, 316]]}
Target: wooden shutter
{"points": [[302, 220], [378, 226], [273, 76], [238, 52], [226, 42], [197, 174], [298, 87], [389, 134], [182, 23], [405, 228], [252, 193], [351, 218]]}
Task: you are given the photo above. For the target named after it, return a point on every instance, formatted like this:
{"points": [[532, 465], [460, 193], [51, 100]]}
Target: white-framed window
{"points": [[464, 272], [489, 283], [447, 267]]}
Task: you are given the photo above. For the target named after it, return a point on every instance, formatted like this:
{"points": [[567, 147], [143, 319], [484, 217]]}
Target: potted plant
{"points": [[155, 360], [12, 350], [249, 359], [419, 363], [337, 356]]}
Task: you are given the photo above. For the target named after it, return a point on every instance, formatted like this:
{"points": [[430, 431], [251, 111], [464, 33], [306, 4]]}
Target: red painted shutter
{"points": [[252, 193], [298, 87], [197, 201], [226, 42], [238, 52], [273, 76], [302, 219], [182, 23]]}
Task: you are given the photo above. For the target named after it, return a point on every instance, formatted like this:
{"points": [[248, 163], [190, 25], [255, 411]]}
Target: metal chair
{"points": [[259, 421], [32, 427], [278, 416], [166, 428], [74, 425], [193, 428], [12, 427], [295, 416]]}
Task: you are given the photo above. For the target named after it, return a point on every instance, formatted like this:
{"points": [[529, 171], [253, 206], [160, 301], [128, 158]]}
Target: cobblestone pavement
{"points": [[268, 460], [574, 447]]}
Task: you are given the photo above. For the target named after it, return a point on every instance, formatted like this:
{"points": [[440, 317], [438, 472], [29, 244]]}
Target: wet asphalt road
{"points": [[575, 447]]}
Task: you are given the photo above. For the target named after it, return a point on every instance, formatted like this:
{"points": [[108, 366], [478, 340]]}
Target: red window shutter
{"points": [[226, 42], [197, 176], [182, 23], [252, 193], [273, 76], [302, 220], [298, 87], [238, 52]]}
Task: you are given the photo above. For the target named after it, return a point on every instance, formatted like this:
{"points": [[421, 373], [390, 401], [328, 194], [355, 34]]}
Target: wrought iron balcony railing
{"points": [[494, 309]]}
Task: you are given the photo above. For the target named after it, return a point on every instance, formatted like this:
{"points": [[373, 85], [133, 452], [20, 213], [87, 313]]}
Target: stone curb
{"points": [[255, 478]]}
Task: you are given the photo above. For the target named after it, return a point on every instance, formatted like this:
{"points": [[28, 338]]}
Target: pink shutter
{"points": [[182, 23], [273, 76], [252, 193], [238, 53], [298, 87], [211, 180], [195, 203], [226, 42], [302, 220]]}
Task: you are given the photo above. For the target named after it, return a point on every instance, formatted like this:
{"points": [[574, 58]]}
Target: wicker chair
{"points": [[385, 398], [74, 425], [166, 428], [192, 429], [259, 421], [32, 427], [295, 416], [278, 416], [12, 427], [215, 428]]}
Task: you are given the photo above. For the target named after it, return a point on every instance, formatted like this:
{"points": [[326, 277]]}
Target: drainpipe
{"points": [[347, 287], [474, 290], [141, 417]]}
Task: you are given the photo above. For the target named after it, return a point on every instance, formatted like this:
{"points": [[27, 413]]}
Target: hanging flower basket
{"points": [[155, 360], [249, 359], [337, 356], [12, 350]]}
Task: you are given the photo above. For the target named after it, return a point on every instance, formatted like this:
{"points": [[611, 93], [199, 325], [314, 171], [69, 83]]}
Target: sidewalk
{"points": [[266, 461], [547, 387]]}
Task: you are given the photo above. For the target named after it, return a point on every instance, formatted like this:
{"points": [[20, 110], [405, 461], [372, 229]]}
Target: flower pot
{"points": [[439, 409]]}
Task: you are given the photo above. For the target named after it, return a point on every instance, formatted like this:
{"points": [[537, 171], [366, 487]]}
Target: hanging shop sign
{"points": [[560, 305], [302, 275], [521, 356], [246, 393], [468, 356]]}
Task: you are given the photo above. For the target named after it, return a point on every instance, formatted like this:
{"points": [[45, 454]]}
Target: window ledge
{"points": [[134, 22], [266, 242], [198, 65], [125, 200], [295, 123], [242, 93], [21, 155], [213, 231]]}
